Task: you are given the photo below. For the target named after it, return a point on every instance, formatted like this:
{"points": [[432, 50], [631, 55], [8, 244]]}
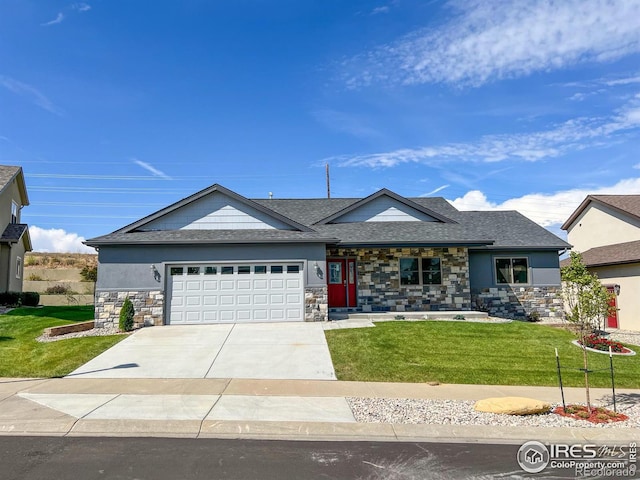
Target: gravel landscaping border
{"points": [[461, 412]]}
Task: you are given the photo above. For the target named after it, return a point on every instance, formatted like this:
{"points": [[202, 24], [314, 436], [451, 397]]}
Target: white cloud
{"points": [[483, 42], [435, 190], [81, 7], [59, 18], [57, 240], [572, 135], [150, 168], [637, 165], [378, 10], [36, 97], [545, 209]]}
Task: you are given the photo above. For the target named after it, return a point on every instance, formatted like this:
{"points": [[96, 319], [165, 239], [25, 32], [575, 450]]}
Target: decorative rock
{"points": [[512, 406]]}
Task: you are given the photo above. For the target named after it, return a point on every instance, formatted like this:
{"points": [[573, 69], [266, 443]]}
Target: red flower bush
{"points": [[600, 343]]}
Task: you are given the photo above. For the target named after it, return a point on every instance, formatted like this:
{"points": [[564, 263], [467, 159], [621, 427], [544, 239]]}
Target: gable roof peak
{"points": [[385, 192], [216, 187], [627, 204]]}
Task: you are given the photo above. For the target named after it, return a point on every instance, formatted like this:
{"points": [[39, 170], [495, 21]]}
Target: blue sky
{"points": [[116, 109]]}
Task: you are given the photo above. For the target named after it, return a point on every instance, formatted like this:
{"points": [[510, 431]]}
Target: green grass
{"points": [[514, 353], [22, 356]]}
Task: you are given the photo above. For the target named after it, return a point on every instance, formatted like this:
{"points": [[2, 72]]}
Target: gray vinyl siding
{"points": [[384, 209], [216, 212], [544, 267], [130, 267], [8, 267]]}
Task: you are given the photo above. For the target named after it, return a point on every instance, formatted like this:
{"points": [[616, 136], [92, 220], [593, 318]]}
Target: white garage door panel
{"points": [[244, 293]]}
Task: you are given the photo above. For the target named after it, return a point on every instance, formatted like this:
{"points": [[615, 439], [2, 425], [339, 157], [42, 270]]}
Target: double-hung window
{"points": [[420, 271], [512, 270]]}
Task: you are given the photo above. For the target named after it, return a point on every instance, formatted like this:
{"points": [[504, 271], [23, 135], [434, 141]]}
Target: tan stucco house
{"points": [[605, 229]]}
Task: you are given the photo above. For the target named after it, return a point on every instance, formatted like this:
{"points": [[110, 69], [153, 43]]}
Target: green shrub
{"points": [[57, 290], [89, 273], [459, 316], [34, 278], [30, 299], [126, 316], [10, 299], [533, 316]]}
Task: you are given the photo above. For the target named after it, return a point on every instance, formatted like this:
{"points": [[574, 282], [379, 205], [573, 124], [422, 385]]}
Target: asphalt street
{"points": [[85, 458]]}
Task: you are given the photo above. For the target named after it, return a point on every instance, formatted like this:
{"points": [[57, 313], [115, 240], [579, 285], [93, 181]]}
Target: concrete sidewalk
{"points": [[269, 409]]}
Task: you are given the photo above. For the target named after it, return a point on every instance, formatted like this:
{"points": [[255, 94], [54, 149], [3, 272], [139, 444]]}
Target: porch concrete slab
{"points": [[155, 407], [283, 333], [275, 409], [150, 361], [286, 361], [76, 405], [22, 416], [140, 386], [136, 428], [289, 430]]}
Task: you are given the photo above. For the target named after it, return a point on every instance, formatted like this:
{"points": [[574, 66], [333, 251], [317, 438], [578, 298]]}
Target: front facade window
{"points": [[18, 267], [512, 270], [420, 271]]}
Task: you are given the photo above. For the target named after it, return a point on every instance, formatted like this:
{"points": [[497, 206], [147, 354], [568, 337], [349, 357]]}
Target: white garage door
{"points": [[230, 293]]}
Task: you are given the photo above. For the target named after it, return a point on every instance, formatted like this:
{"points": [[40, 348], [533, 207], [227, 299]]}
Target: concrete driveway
{"points": [[259, 350]]}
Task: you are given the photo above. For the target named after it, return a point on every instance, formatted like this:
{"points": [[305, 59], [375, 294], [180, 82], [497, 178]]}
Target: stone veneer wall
{"points": [[316, 306], [379, 288], [148, 307], [518, 302]]}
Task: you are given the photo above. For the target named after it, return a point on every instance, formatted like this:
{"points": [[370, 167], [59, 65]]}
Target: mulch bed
{"points": [[596, 415]]}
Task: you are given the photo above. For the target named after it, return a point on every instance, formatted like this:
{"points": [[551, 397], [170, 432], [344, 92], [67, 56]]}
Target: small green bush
{"points": [[10, 299], [459, 316], [30, 299], [34, 278], [89, 273], [533, 316], [126, 316], [57, 290]]}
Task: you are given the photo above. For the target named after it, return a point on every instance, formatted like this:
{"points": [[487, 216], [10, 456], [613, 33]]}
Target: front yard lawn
{"points": [[515, 353], [22, 356]]}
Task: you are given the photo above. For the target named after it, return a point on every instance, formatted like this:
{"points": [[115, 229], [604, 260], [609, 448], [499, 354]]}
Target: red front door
{"points": [[342, 282], [612, 318]]}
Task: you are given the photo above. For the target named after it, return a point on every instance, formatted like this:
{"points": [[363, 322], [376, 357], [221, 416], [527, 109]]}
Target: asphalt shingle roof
{"points": [[626, 203], [619, 253], [13, 232], [208, 236], [7, 172], [478, 229]]}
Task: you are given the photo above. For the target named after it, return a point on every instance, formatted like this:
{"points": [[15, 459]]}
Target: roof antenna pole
{"points": [[328, 186]]}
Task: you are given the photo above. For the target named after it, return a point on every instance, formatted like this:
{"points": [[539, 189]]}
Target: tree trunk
{"points": [[586, 375]]}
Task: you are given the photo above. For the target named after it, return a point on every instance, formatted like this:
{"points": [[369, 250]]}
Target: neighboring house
{"points": [[15, 240], [605, 229], [217, 256]]}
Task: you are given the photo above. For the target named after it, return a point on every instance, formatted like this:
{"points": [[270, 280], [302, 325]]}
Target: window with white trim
{"points": [[420, 271], [14, 212], [512, 270], [18, 267]]}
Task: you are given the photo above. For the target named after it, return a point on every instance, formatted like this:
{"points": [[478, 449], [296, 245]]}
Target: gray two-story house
{"points": [[15, 240]]}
